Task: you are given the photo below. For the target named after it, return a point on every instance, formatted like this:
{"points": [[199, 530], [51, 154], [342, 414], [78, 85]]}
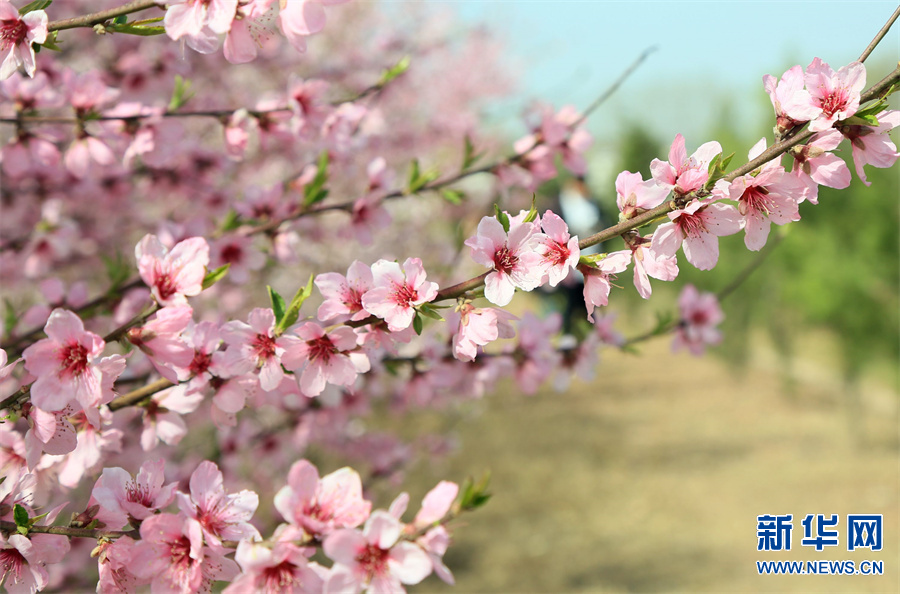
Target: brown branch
{"points": [[90, 20], [880, 35], [11, 528], [137, 396]]}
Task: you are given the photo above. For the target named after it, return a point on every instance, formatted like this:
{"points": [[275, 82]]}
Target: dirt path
{"points": [[654, 481]]}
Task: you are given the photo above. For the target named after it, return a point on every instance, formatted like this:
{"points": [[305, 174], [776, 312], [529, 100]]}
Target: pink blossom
{"points": [[397, 292], [320, 506], [343, 295], [27, 153], [871, 144], [160, 339], [374, 558], [68, 366], [479, 327], [255, 345], [648, 262], [17, 33], [836, 94], [302, 18], [237, 134], [597, 280], [188, 18], [221, 516], [84, 152], [436, 504], [114, 567], [124, 499], [49, 432], [23, 560], [700, 314], [535, 356], [696, 227], [683, 174], [559, 252], [765, 196], [172, 275], [162, 416], [512, 257], [171, 553], [326, 357], [793, 104], [634, 195], [815, 165], [94, 443], [248, 31], [277, 569], [238, 251]]}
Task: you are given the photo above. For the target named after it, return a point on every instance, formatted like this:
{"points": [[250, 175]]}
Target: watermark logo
{"points": [[774, 532], [824, 537], [864, 532]]}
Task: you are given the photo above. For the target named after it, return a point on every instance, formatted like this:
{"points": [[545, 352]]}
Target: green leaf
{"points": [[533, 213], [214, 276], [140, 30], [292, 313], [49, 43], [121, 19], [394, 71], [20, 515], [181, 94], [36, 5], [278, 305], [502, 217], [419, 179], [10, 319], [118, 269], [470, 157], [315, 191], [417, 324], [231, 222], [429, 312], [453, 196], [474, 495]]}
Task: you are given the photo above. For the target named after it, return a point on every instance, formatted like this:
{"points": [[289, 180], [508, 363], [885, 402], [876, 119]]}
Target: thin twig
{"points": [[90, 20], [880, 35]]}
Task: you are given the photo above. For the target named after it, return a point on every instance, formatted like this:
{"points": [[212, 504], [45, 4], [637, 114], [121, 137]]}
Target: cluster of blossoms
{"points": [[185, 550], [153, 349]]}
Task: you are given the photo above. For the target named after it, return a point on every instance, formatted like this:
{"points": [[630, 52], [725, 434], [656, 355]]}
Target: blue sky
{"points": [[569, 51]]}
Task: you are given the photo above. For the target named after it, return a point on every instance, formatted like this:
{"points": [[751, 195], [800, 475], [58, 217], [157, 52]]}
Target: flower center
{"points": [[321, 348], [691, 224], [200, 363], [12, 33], [755, 199], [373, 560], [558, 254], [834, 102], [264, 346], [232, 254], [165, 286], [404, 294], [504, 260], [281, 578], [73, 360], [136, 493], [12, 562]]}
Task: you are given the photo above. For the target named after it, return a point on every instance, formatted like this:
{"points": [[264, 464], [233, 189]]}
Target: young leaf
{"points": [[214, 276], [502, 217], [417, 324], [231, 222], [278, 305], [533, 213], [10, 319], [419, 179], [429, 312], [292, 313], [36, 5], [394, 71], [315, 191], [470, 157], [140, 30], [20, 515], [453, 196], [181, 94]]}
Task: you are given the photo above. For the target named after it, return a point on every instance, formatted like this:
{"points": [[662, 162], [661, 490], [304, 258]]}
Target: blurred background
{"points": [[651, 477]]}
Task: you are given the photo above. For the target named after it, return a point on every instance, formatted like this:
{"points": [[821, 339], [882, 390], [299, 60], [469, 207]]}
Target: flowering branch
{"points": [[96, 18]]}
